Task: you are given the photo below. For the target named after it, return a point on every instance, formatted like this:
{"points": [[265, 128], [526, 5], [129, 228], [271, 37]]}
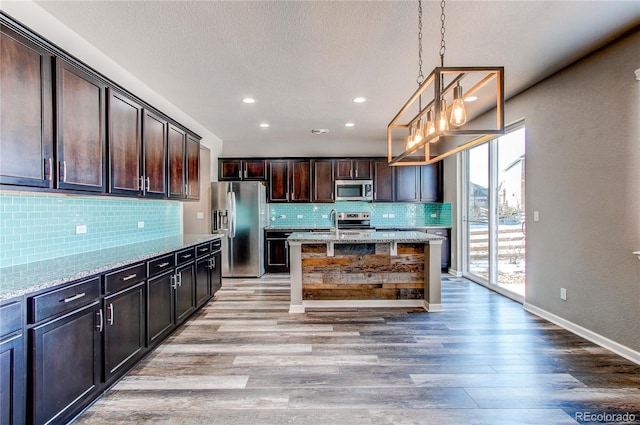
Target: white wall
{"points": [[37, 19]]}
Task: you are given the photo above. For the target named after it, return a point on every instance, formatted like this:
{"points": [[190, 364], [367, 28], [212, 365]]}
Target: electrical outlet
{"points": [[385, 215], [200, 215], [325, 216], [283, 216], [563, 294], [536, 216], [434, 215], [81, 229], [299, 216], [140, 224], [392, 216]]}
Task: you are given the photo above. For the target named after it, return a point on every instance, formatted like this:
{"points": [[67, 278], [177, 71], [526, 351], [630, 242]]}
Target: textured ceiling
{"points": [[304, 61]]}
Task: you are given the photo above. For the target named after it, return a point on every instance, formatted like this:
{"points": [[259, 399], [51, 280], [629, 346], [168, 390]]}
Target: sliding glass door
{"points": [[495, 222]]}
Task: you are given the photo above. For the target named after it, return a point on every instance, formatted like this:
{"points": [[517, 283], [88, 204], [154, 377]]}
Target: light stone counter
{"points": [[374, 256], [28, 278]]}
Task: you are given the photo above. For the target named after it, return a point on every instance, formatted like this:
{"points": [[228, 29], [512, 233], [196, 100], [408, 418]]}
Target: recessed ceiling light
{"points": [[349, 124], [264, 125], [359, 100], [248, 100], [470, 98]]}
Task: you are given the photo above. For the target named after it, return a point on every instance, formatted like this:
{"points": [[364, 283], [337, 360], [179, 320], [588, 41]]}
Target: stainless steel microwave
{"points": [[354, 190]]}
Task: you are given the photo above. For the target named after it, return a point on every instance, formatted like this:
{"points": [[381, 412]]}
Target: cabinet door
{"points": [[160, 318], [193, 167], [254, 169], [277, 252], [26, 116], [230, 169], [12, 381], [278, 180], [431, 182], [300, 181], [176, 141], [154, 145], [343, 169], [323, 182], [203, 284], [125, 145], [81, 129], [216, 272], [383, 184], [446, 246], [185, 292], [362, 169], [66, 363], [125, 327], [407, 184]]}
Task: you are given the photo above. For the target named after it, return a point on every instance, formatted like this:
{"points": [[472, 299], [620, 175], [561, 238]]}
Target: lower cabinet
{"points": [[66, 362], [124, 329], [185, 289], [12, 377], [160, 312], [208, 277], [446, 245], [215, 271], [276, 251]]}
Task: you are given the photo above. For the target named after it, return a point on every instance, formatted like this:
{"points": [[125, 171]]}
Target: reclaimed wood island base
{"points": [[359, 269]]}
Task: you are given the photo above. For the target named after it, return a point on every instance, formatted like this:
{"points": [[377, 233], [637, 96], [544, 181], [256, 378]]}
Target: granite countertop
{"points": [[349, 236], [28, 278]]}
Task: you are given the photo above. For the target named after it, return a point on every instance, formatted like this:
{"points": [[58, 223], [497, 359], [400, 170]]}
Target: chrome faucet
{"points": [[333, 216]]}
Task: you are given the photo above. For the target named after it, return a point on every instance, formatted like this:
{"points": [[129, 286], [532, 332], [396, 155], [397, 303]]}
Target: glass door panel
{"points": [[478, 211]]}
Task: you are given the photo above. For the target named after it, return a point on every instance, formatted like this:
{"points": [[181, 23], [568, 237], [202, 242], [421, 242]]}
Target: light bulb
{"points": [[419, 135], [430, 127], [443, 122], [410, 139], [458, 111]]}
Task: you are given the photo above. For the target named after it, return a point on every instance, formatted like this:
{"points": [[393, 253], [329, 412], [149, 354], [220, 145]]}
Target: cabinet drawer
{"points": [[62, 300], [10, 318], [216, 245], [184, 256], [203, 249], [119, 280], [161, 265]]}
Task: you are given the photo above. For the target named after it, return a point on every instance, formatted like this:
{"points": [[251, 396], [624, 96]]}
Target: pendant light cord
{"points": [[443, 47], [420, 79]]}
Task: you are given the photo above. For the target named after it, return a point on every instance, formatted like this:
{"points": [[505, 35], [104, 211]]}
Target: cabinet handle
{"points": [[186, 189], [62, 171], [100, 324], [131, 276], [185, 256], [163, 265], [245, 174], [179, 279], [139, 184], [212, 263], [174, 281], [73, 298], [48, 173], [111, 312], [356, 173], [148, 184]]}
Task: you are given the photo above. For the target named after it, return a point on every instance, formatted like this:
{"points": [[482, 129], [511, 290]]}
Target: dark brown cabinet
{"points": [[185, 292], [124, 329], [322, 180], [300, 180], [278, 180], [359, 169], [26, 112], [192, 167], [431, 182], [276, 251], [154, 145], [383, 182], [446, 245], [125, 145], [80, 136], [12, 379], [160, 315], [407, 183], [176, 143], [242, 169], [215, 270], [66, 363]]}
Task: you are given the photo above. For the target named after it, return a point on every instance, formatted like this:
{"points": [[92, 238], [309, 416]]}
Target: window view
{"points": [[495, 212]]}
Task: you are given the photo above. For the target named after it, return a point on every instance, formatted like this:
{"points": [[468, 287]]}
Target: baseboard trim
{"points": [[432, 308], [585, 333], [296, 309]]}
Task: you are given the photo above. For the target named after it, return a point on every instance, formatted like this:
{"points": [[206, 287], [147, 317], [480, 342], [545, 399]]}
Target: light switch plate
{"points": [[81, 229], [536, 216], [140, 224]]}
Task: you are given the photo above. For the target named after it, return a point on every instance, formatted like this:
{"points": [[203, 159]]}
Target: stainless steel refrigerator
{"points": [[238, 212]]}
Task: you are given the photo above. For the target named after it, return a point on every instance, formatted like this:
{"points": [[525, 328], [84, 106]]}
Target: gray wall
{"points": [[583, 176]]}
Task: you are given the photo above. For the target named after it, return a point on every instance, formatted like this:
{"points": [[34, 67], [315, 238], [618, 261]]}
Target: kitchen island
{"points": [[350, 269]]}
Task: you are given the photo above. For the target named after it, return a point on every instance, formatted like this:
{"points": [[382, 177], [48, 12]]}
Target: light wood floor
{"points": [[245, 360]]}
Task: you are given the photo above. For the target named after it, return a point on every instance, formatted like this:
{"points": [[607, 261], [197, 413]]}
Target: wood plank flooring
{"points": [[245, 360]]}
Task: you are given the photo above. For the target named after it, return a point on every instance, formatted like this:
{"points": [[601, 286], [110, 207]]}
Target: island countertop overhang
{"points": [[350, 236]]}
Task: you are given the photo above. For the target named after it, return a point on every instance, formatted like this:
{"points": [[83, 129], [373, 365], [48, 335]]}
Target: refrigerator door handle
{"points": [[232, 214]]}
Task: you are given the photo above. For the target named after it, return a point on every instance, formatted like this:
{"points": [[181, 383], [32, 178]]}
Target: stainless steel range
{"points": [[354, 221]]}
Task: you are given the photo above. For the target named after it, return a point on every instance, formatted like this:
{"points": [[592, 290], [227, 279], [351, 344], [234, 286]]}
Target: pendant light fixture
{"points": [[440, 129]]}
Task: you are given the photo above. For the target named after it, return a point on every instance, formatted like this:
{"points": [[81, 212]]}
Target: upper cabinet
{"points": [[431, 182], [154, 145], [64, 126], [278, 181], [383, 184], [242, 169], [322, 180], [125, 145], [80, 138], [26, 113], [358, 169], [407, 183]]}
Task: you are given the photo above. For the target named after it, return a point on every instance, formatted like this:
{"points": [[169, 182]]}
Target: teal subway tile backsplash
{"points": [[40, 227], [382, 214]]}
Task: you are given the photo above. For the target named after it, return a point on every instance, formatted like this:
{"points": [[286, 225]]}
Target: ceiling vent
{"points": [[320, 131]]}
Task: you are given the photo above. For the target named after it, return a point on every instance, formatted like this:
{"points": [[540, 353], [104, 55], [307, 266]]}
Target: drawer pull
{"points": [[185, 256], [131, 276], [163, 265], [73, 298]]}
